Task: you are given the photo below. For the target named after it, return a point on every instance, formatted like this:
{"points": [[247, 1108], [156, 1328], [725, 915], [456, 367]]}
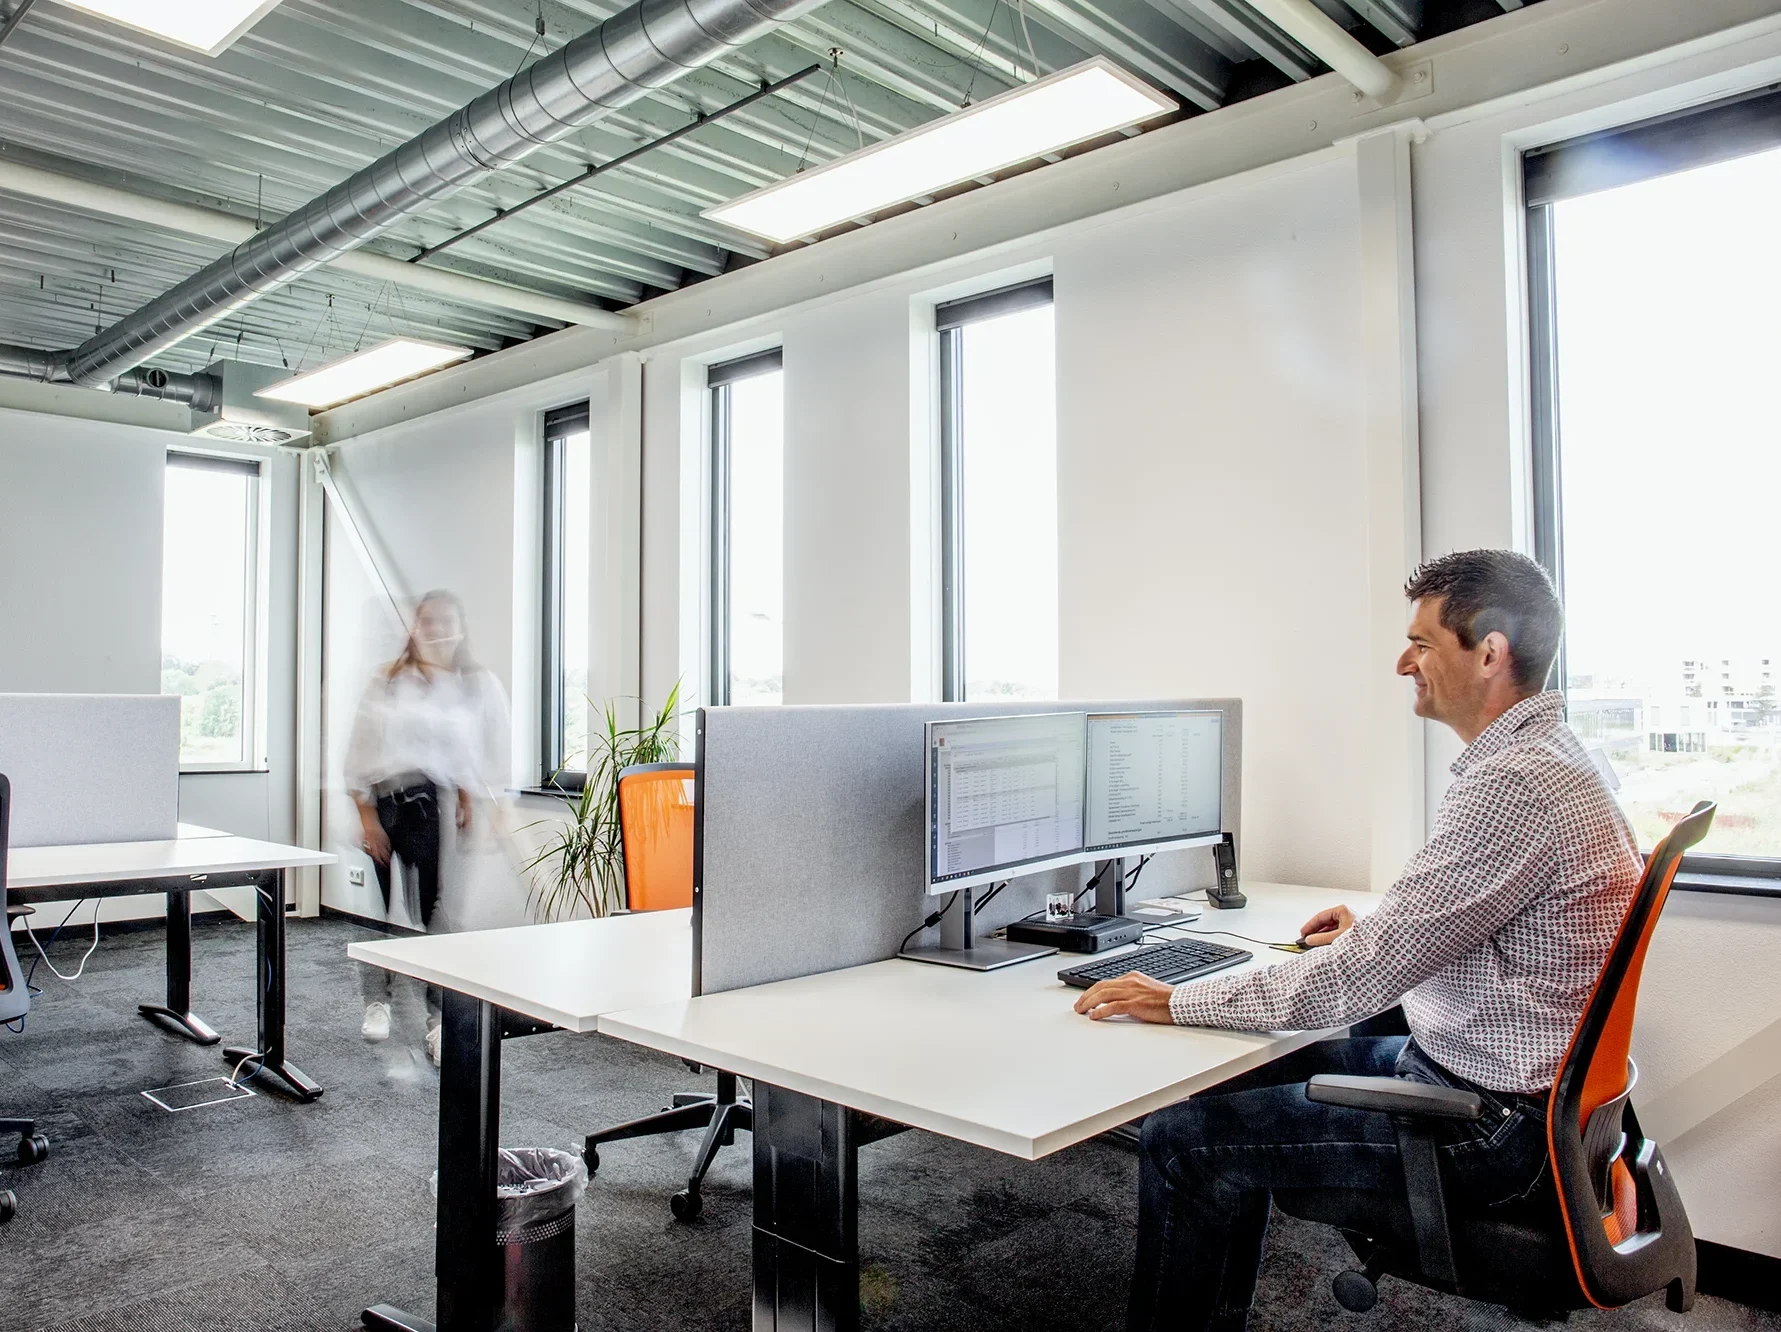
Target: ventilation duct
{"points": [[195, 391], [236, 416], [639, 49]]}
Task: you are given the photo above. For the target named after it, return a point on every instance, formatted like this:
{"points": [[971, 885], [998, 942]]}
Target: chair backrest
{"points": [[15, 995], [655, 826], [1623, 1216]]}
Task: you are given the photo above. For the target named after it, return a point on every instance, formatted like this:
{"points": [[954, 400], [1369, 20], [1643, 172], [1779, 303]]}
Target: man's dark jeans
{"points": [[1209, 1164]]}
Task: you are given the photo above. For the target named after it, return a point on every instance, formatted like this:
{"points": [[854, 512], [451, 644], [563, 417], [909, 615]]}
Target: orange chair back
{"points": [[655, 825], [1628, 1233]]}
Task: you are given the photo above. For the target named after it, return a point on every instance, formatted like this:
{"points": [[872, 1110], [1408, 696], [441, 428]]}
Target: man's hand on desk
{"points": [[1135, 995], [1327, 926]]}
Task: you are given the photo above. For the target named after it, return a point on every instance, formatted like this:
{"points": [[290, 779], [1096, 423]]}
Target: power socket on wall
{"points": [[356, 877]]}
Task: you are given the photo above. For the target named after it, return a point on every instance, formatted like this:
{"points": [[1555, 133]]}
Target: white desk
{"points": [[999, 1059], [501, 984], [198, 858], [565, 975]]}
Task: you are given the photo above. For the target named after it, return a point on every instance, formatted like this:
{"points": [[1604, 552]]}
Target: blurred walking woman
{"points": [[422, 741]]}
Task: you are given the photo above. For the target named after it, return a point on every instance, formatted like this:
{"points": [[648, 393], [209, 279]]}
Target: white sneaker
{"points": [[435, 1035], [376, 1026]]}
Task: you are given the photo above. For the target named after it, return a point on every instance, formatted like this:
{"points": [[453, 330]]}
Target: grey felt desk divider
{"points": [[812, 834], [91, 767]]}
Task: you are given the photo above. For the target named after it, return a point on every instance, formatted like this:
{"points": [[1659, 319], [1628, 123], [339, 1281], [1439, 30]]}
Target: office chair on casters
{"points": [[1604, 1227], [655, 821], [15, 1002]]}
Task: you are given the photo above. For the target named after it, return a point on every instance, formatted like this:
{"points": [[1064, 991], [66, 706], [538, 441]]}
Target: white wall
{"points": [[80, 529], [81, 505], [1212, 435]]}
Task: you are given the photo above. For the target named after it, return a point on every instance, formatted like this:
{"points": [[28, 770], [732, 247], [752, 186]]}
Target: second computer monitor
{"points": [[1005, 797], [1155, 781]]}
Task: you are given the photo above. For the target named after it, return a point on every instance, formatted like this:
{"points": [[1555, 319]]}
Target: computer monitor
{"points": [[1005, 797], [1155, 781]]}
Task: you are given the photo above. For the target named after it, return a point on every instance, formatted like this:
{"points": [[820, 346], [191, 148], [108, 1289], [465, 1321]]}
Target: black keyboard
{"points": [[1170, 963]]}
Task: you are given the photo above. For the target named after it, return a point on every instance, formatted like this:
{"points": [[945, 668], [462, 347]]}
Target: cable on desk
{"points": [[1229, 934], [91, 949], [930, 922]]}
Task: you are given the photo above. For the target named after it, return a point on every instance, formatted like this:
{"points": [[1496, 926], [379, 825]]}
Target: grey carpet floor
{"points": [[269, 1215]]}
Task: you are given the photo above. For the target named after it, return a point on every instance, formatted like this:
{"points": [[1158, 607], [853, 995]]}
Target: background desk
{"points": [[999, 1059], [500, 984], [199, 858]]}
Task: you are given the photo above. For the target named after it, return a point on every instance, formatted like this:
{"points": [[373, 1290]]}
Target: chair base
{"points": [[720, 1114], [33, 1146]]}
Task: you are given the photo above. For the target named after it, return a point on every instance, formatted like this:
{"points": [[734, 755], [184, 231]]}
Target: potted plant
{"points": [[581, 863]]}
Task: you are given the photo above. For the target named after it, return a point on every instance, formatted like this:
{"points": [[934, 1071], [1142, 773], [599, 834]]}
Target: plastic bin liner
{"points": [[534, 1184]]}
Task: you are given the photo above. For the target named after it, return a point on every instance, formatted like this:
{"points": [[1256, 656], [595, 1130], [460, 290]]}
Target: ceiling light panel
{"points": [[1069, 107], [364, 372], [205, 25]]}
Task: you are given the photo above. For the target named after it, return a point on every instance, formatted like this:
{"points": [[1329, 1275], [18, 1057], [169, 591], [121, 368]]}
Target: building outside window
{"points": [[999, 519], [211, 594], [1654, 281], [747, 629], [568, 508]]}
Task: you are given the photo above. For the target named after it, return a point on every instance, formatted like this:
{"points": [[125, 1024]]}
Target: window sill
{"points": [[1741, 885], [556, 792], [222, 772]]}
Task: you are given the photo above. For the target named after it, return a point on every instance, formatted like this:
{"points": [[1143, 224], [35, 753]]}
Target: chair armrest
{"points": [[1395, 1096]]}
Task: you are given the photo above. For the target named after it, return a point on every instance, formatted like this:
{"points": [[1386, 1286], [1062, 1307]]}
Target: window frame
{"points": [[719, 377], [1721, 131], [255, 620], [555, 428], [951, 318]]}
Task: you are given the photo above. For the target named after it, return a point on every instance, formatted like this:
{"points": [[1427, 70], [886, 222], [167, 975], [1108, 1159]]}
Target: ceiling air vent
{"points": [[247, 434], [240, 417]]}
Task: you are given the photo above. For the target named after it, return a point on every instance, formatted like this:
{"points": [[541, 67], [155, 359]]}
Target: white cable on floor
{"points": [[83, 960]]}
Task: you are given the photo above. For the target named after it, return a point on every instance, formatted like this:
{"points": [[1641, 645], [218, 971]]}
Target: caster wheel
{"points": [[686, 1205], [33, 1149], [9, 1205], [591, 1157], [1354, 1292]]}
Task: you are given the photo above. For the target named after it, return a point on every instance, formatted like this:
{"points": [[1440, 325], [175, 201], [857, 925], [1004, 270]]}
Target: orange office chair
{"points": [[1604, 1227], [655, 822]]}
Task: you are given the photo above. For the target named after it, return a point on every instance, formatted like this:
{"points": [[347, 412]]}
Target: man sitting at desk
{"points": [[1491, 940]]}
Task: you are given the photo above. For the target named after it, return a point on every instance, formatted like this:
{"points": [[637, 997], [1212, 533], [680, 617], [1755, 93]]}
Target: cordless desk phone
{"points": [[1225, 893]]}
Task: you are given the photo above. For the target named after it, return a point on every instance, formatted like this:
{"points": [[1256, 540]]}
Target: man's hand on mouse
{"points": [[1132, 995], [1326, 927]]}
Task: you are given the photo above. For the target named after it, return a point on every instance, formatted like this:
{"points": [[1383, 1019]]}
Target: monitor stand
{"points": [[959, 945]]}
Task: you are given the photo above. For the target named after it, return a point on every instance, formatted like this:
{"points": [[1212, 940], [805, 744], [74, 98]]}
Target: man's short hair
{"points": [[1496, 591]]}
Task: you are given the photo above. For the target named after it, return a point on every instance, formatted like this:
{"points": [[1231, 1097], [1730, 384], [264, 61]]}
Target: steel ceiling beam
{"points": [[14, 19], [613, 164]]}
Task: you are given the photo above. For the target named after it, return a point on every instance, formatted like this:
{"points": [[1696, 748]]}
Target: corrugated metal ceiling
{"points": [[319, 88]]}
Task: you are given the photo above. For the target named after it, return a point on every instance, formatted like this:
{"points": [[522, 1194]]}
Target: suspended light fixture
{"points": [[207, 25], [364, 372], [1069, 107]]}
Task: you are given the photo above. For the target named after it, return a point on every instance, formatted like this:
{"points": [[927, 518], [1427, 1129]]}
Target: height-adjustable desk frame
{"points": [[35, 880]]}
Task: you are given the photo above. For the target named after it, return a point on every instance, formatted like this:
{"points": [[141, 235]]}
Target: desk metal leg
{"points": [[177, 1011], [806, 1209], [467, 1263], [269, 958]]}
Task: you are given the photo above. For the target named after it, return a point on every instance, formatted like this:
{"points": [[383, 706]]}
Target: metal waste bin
{"points": [[536, 1189]]}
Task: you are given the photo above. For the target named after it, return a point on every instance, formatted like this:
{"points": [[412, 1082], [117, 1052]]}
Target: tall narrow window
{"points": [[998, 495], [210, 595], [747, 531], [1655, 278], [568, 510]]}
